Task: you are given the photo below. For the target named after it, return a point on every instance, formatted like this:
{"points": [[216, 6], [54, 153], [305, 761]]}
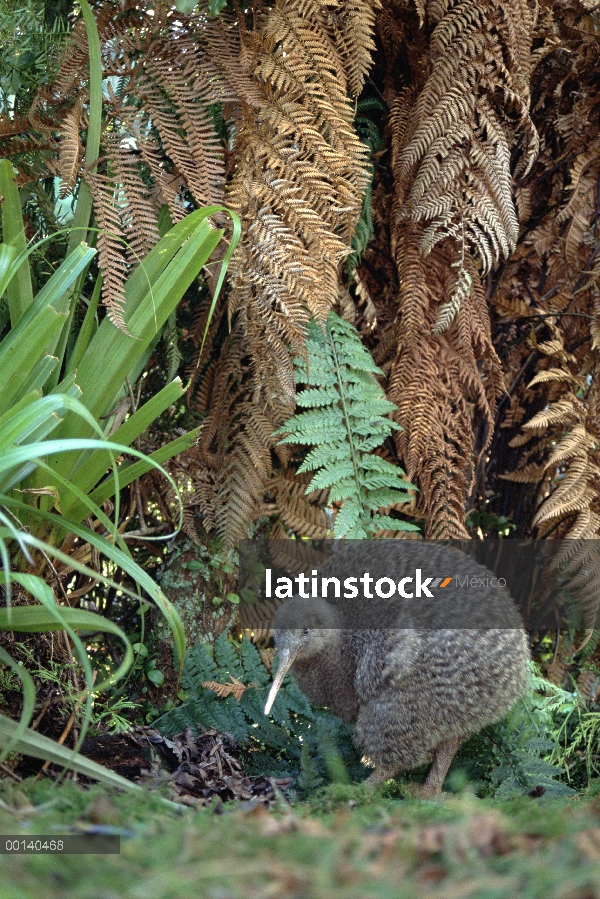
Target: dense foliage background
{"points": [[429, 171]]}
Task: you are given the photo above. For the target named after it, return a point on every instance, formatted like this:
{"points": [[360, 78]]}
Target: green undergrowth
{"points": [[345, 845], [517, 755], [309, 744]]}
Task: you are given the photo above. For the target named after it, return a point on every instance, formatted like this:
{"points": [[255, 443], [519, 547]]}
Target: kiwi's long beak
{"points": [[286, 659]]}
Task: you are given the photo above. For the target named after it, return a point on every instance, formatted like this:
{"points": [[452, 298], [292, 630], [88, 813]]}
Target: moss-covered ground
{"points": [[341, 845]]}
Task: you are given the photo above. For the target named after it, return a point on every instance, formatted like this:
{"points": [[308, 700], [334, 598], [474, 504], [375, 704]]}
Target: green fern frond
{"points": [[346, 418], [290, 742], [519, 754], [371, 135], [227, 658]]}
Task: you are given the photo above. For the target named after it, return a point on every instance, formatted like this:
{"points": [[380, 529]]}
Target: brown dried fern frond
{"points": [[352, 25], [548, 348], [452, 158], [235, 446], [554, 407], [113, 263], [236, 688], [453, 219], [436, 382], [298, 183], [158, 143], [70, 158], [573, 462], [28, 149], [303, 515]]}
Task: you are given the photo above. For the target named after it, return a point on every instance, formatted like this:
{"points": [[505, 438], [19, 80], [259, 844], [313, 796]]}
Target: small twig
{"points": [[378, 92], [516, 380], [119, 413], [66, 731], [554, 315], [45, 707], [140, 507], [143, 532], [10, 773], [57, 579], [131, 396], [116, 410], [60, 741]]}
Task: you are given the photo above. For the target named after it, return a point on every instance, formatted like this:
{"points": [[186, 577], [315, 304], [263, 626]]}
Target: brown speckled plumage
{"points": [[414, 692]]}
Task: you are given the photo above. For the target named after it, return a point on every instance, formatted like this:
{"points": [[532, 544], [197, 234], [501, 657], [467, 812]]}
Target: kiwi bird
{"points": [[414, 686]]}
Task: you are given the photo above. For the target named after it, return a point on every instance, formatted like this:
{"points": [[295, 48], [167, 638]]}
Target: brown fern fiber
{"points": [[24, 146], [452, 159], [552, 418], [303, 515], [547, 442], [235, 688], [299, 178], [436, 382], [453, 219], [236, 450]]}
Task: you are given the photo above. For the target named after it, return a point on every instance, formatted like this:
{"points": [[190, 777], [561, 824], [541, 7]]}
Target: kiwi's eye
{"points": [[305, 631]]}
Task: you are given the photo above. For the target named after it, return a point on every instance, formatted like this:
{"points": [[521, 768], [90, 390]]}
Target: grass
{"points": [[340, 845]]}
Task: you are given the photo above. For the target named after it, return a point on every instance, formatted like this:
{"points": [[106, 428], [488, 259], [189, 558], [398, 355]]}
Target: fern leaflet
{"points": [[346, 418]]}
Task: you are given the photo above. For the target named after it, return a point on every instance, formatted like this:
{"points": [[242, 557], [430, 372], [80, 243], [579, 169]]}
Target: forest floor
{"points": [[341, 845]]}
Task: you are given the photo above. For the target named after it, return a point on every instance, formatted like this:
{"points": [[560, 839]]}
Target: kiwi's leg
{"points": [[442, 757]]}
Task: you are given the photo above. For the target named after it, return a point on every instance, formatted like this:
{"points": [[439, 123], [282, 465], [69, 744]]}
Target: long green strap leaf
{"points": [[57, 286], [235, 237], [27, 342], [39, 619], [22, 357], [40, 747], [87, 329], [8, 265], [129, 473], [20, 290], [28, 697], [87, 475], [83, 210], [40, 374], [16, 428], [115, 555], [17, 408]]}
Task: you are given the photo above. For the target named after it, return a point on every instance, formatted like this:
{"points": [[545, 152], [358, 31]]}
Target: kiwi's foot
{"points": [[378, 778], [442, 757], [423, 791]]}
